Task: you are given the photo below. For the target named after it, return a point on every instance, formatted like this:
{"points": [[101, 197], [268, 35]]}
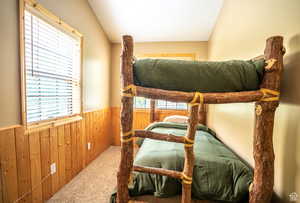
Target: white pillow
{"points": [[176, 119]]}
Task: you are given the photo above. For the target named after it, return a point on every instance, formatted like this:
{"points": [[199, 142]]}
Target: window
{"points": [[143, 103], [52, 68], [162, 104]]}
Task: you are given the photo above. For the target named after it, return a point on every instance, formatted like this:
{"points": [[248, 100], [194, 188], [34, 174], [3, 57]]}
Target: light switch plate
{"points": [[89, 145]]}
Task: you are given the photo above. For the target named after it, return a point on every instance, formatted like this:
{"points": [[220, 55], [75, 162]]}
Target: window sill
{"points": [[51, 124]]}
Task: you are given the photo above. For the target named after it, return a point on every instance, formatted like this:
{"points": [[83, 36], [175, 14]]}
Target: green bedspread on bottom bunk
{"points": [[218, 173]]}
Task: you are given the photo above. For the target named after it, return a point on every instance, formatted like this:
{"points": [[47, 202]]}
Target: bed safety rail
{"points": [[207, 98]]}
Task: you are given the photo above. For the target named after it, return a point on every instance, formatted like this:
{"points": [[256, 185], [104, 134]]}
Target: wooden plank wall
{"points": [[25, 159], [141, 119]]}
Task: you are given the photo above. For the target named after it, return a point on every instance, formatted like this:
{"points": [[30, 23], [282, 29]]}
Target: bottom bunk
{"points": [[219, 174]]}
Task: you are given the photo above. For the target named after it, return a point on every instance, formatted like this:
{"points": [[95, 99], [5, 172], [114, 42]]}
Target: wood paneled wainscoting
{"points": [[25, 158], [141, 119]]}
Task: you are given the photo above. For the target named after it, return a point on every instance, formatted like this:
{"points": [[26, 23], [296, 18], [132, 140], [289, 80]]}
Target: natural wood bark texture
{"points": [[266, 104], [126, 121], [209, 98], [189, 154], [159, 171], [159, 136], [202, 116], [152, 110], [263, 152]]}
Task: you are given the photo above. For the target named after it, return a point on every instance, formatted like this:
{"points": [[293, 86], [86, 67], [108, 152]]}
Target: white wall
{"points": [[96, 56], [240, 33]]}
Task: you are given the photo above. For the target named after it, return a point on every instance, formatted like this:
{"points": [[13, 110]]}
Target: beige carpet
{"points": [[94, 183]]}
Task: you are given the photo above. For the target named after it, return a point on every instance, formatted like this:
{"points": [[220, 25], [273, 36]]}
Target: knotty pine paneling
{"points": [[9, 177], [61, 156], [54, 159], [141, 119], [26, 158], [45, 164], [23, 164], [35, 166], [115, 127], [68, 153]]}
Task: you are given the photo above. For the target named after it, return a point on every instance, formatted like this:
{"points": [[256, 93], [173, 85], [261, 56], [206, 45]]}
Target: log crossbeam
{"points": [[208, 98], [159, 136], [159, 171]]}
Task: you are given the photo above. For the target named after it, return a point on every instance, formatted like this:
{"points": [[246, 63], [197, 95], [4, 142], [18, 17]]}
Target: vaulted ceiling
{"points": [[157, 20]]}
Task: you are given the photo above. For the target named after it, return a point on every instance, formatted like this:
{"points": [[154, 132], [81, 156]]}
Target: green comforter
{"points": [[218, 173], [191, 76]]}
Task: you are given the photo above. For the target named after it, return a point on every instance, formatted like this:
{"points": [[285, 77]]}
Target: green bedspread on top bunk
{"points": [[192, 76], [218, 173]]}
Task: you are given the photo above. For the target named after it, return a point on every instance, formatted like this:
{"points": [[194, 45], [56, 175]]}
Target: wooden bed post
{"points": [[189, 155], [203, 113], [152, 110], [262, 188], [126, 120]]}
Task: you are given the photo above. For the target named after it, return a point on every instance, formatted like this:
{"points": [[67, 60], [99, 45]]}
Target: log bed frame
{"points": [[266, 101]]}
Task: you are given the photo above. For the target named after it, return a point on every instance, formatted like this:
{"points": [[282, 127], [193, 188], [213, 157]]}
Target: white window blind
{"points": [[52, 68]]}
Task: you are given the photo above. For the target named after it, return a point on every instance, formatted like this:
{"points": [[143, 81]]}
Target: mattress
{"points": [[192, 76]]}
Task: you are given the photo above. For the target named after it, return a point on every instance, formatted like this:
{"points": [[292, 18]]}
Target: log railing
{"points": [[158, 136], [208, 98], [159, 171], [267, 100]]}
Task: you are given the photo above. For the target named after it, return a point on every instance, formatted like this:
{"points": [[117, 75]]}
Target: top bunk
{"points": [[199, 76], [210, 82]]}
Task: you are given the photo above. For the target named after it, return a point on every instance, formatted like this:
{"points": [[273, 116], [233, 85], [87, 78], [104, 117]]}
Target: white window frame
{"points": [[50, 18]]}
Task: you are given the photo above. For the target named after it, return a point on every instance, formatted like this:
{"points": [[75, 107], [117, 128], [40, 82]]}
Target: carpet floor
{"points": [[94, 183]]}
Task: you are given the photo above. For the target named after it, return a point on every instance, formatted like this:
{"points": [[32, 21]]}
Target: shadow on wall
{"points": [[291, 95], [290, 82]]}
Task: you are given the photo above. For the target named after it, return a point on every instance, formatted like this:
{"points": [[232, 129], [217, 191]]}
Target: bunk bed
{"points": [[263, 88]]}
